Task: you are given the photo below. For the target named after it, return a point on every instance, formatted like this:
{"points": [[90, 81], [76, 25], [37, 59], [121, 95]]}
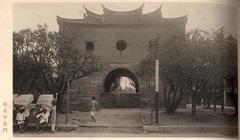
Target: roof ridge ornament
{"points": [[89, 12], [156, 12], [102, 6], [142, 5], [161, 6], [135, 11]]}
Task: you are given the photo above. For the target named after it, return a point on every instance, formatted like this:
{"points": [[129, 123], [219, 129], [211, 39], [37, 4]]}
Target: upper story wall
{"points": [[105, 38]]}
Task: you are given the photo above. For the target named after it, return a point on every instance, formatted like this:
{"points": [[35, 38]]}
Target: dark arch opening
{"points": [[117, 73]]}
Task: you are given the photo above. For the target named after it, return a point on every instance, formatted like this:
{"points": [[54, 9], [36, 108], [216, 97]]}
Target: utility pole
{"points": [[54, 114], [156, 78], [67, 113], [222, 83]]}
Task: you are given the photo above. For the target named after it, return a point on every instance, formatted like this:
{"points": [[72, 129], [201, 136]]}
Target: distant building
{"points": [[121, 39]]}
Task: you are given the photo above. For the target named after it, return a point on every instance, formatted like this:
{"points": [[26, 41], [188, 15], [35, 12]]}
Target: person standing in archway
{"points": [[93, 108]]}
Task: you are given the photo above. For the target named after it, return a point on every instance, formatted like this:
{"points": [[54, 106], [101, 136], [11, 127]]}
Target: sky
{"points": [[200, 15]]}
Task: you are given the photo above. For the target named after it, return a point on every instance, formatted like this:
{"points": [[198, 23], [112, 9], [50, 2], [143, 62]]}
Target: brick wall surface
{"points": [[105, 39]]}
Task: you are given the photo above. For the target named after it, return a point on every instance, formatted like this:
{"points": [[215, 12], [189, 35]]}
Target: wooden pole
{"points": [[67, 113], [156, 80]]}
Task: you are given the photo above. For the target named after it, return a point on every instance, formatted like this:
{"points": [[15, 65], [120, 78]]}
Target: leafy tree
{"points": [[171, 64], [230, 73], [194, 65], [40, 54], [203, 66]]}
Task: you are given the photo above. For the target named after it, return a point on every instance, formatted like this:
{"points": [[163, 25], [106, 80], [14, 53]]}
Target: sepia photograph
{"points": [[124, 69]]}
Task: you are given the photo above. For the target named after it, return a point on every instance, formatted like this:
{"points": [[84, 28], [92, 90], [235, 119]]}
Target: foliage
{"points": [[230, 70], [40, 55], [192, 65]]}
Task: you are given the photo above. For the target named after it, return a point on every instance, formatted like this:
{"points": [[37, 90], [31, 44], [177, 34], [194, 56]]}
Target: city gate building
{"points": [[121, 40]]}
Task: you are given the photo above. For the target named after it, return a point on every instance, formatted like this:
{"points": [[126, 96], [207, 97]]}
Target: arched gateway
{"points": [[115, 77], [121, 40], [121, 89]]}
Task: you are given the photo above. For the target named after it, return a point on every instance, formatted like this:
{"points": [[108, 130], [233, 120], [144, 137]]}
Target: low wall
{"points": [[111, 100]]}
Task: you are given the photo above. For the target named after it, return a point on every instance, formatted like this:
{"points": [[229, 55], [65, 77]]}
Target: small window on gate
{"points": [[90, 46]]}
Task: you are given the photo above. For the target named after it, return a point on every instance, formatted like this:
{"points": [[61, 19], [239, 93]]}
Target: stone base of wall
{"points": [[111, 100], [83, 89]]}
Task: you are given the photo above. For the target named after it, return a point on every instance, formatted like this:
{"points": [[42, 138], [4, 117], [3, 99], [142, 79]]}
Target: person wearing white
{"points": [[26, 112], [20, 117], [93, 109], [43, 117]]}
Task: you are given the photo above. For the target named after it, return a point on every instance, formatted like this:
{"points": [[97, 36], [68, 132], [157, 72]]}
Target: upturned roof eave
{"points": [[68, 20], [83, 21], [154, 12], [137, 11]]}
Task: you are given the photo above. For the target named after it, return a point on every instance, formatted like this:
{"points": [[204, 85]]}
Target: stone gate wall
{"points": [[105, 38]]}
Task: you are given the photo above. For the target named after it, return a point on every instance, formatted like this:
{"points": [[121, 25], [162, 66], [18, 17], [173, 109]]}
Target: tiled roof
{"points": [[135, 12], [123, 18], [110, 19], [67, 20]]}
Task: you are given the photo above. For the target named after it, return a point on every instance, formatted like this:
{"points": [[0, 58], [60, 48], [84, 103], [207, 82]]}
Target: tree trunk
{"points": [[194, 105], [222, 96], [209, 105], [234, 99], [60, 97], [164, 92], [32, 83], [178, 101], [214, 101], [208, 102], [169, 100]]}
